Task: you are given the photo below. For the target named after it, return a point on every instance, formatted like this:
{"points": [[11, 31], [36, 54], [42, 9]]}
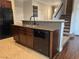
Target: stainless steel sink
{"points": [[32, 23]]}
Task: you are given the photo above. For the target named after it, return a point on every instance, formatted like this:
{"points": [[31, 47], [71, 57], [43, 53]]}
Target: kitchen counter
{"points": [[36, 27], [40, 39], [47, 20], [48, 25]]}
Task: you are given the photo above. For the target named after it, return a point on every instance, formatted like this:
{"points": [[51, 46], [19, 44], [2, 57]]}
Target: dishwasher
{"points": [[41, 41]]}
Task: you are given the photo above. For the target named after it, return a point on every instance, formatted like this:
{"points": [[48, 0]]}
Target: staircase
{"points": [[67, 23], [67, 17], [65, 12]]}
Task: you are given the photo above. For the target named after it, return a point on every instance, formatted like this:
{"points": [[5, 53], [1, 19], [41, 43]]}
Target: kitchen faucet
{"points": [[34, 20]]}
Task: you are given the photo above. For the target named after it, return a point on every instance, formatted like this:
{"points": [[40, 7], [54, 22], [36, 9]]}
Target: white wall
{"points": [[59, 13], [75, 18], [27, 9], [44, 10], [22, 10], [17, 6]]}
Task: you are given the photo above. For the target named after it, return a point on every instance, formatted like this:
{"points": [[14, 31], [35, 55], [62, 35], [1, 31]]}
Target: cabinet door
{"points": [[36, 43], [22, 38], [26, 38], [55, 42], [44, 46], [26, 41], [29, 41], [15, 33], [29, 37]]}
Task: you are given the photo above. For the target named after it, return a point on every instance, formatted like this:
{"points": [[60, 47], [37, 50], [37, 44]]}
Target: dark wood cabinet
{"points": [[15, 33], [45, 42], [23, 35], [5, 4], [26, 37]]}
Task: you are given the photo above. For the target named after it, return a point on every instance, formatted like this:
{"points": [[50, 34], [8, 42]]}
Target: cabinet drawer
{"points": [[28, 31], [29, 41]]}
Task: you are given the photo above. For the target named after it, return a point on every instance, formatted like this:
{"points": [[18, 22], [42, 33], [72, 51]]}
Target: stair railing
{"points": [[58, 10]]}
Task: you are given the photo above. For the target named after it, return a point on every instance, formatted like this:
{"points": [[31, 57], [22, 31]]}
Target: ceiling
{"points": [[49, 2]]}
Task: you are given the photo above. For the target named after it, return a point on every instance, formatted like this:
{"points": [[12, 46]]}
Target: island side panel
{"points": [[54, 43], [51, 45]]}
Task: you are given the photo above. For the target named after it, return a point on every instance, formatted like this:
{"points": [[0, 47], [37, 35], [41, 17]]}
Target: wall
{"points": [[75, 18], [22, 10], [55, 15], [27, 9], [44, 10], [17, 6]]}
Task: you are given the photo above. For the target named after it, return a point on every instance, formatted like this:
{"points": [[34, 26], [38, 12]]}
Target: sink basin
{"points": [[29, 23]]}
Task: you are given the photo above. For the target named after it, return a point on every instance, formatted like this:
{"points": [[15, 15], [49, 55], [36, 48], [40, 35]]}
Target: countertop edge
{"points": [[47, 20], [34, 27]]}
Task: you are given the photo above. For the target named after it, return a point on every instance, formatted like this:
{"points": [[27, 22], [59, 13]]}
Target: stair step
{"points": [[67, 24], [68, 20], [66, 30], [67, 27], [66, 34], [65, 16]]}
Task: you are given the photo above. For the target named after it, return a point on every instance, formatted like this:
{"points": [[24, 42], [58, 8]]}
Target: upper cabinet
{"points": [[5, 4]]}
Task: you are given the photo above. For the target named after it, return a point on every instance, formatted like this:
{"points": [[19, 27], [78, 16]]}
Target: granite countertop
{"points": [[47, 20], [36, 27]]}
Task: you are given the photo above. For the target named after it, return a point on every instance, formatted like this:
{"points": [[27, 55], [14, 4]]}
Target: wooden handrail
{"points": [[59, 9]]}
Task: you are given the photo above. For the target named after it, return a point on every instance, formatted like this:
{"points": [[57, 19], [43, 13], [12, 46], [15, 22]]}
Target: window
{"points": [[35, 11]]}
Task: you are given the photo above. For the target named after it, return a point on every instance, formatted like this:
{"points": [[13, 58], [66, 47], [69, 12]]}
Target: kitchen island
{"points": [[39, 38]]}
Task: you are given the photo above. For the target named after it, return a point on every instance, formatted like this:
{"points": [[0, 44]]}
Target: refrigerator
{"points": [[6, 20]]}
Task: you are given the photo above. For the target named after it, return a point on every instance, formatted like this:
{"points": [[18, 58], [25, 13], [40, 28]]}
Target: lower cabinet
{"points": [[15, 33], [23, 35], [26, 40], [45, 42], [26, 37]]}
